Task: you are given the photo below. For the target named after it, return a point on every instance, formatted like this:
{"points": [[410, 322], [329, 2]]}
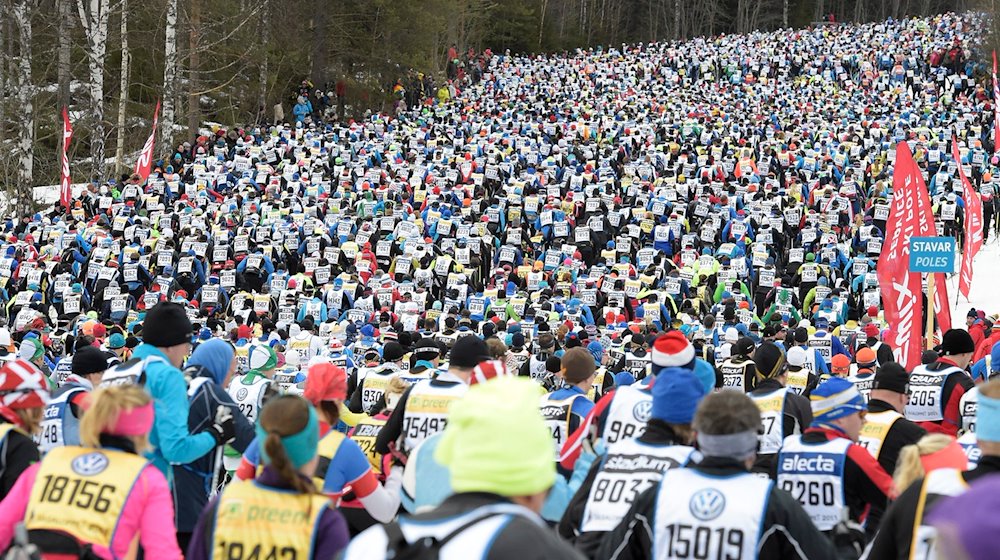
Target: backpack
{"points": [[427, 548], [131, 372]]}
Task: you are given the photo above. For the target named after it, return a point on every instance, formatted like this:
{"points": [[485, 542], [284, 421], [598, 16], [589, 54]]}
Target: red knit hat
{"points": [[325, 382], [871, 330], [22, 385], [488, 370], [672, 350]]}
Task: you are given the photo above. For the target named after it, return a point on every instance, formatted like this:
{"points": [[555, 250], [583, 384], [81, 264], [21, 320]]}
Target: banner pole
{"points": [[930, 311]]}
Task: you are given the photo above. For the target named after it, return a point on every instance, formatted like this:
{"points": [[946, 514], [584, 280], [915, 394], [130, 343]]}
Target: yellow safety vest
{"points": [[82, 491], [252, 521], [876, 428]]}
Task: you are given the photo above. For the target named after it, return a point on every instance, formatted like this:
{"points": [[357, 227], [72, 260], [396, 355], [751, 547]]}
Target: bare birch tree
{"points": [[25, 100], [123, 91], [169, 80], [94, 17]]}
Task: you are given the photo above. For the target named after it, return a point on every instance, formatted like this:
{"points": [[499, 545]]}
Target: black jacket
{"points": [[896, 530], [902, 433], [788, 531], [657, 433], [520, 539], [796, 418], [17, 453]]}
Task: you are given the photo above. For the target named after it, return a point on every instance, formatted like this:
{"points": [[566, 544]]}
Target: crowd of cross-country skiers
{"points": [[616, 303]]}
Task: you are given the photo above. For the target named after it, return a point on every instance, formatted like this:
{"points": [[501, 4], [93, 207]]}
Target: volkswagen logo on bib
{"points": [[643, 410], [707, 504], [90, 464], [241, 394]]}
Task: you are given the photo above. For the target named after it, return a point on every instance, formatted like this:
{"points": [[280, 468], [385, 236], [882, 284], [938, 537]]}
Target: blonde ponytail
{"points": [[105, 406], [908, 467]]}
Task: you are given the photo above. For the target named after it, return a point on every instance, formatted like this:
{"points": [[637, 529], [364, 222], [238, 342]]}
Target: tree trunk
{"points": [[194, 38], [321, 32], [262, 77], [169, 80], [541, 22], [94, 17], [122, 92], [65, 49], [678, 32], [25, 101], [784, 14]]}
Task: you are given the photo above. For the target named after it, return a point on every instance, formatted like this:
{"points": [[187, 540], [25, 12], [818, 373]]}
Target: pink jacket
{"points": [[149, 512]]}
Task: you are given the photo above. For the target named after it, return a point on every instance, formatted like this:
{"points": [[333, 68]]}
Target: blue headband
{"points": [[300, 447], [988, 419]]}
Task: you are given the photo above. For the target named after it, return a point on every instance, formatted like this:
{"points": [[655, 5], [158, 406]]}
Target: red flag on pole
{"points": [[941, 307], [902, 289], [973, 223], [996, 107], [65, 190], [145, 162]]}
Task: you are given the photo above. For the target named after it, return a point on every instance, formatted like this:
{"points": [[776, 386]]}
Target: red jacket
{"points": [[983, 348]]}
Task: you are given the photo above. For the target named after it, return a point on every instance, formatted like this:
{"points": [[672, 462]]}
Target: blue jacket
{"points": [[170, 438], [192, 481]]}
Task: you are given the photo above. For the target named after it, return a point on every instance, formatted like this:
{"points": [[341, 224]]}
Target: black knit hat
{"points": [[392, 351], [468, 352], [957, 341], [166, 325], [769, 359], [89, 360], [892, 377], [743, 347]]}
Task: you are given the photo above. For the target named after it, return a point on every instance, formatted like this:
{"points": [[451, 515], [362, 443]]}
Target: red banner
{"points": [[909, 215], [996, 107], [145, 162], [941, 307], [973, 223], [65, 185]]}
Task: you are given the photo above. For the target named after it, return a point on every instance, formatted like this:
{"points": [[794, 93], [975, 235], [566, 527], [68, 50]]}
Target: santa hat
{"points": [[672, 350]]}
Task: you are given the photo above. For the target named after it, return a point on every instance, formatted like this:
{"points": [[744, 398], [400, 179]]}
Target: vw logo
{"points": [[90, 464], [707, 504], [242, 393], [643, 410]]}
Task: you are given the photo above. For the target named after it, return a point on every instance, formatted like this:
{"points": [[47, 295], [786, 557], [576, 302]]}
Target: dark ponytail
{"points": [[284, 416]]}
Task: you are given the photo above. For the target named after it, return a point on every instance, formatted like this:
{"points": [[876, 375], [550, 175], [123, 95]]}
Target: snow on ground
{"points": [[985, 292]]}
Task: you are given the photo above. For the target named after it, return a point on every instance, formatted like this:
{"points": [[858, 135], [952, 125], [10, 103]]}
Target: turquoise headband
{"points": [[300, 447], [988, 419]]}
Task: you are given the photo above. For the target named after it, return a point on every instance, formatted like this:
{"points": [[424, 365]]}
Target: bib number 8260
{"points": [[812, 493]]}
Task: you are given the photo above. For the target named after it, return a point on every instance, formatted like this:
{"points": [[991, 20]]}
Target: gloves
{"points": [[224, 429], [848, 538]]}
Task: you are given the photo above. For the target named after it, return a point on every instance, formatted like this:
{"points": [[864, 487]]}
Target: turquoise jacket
{"points": [[172, 444]]}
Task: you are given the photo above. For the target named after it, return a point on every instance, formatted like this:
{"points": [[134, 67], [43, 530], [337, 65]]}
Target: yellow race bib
{"points": [[252, 521], [82, 491]]}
